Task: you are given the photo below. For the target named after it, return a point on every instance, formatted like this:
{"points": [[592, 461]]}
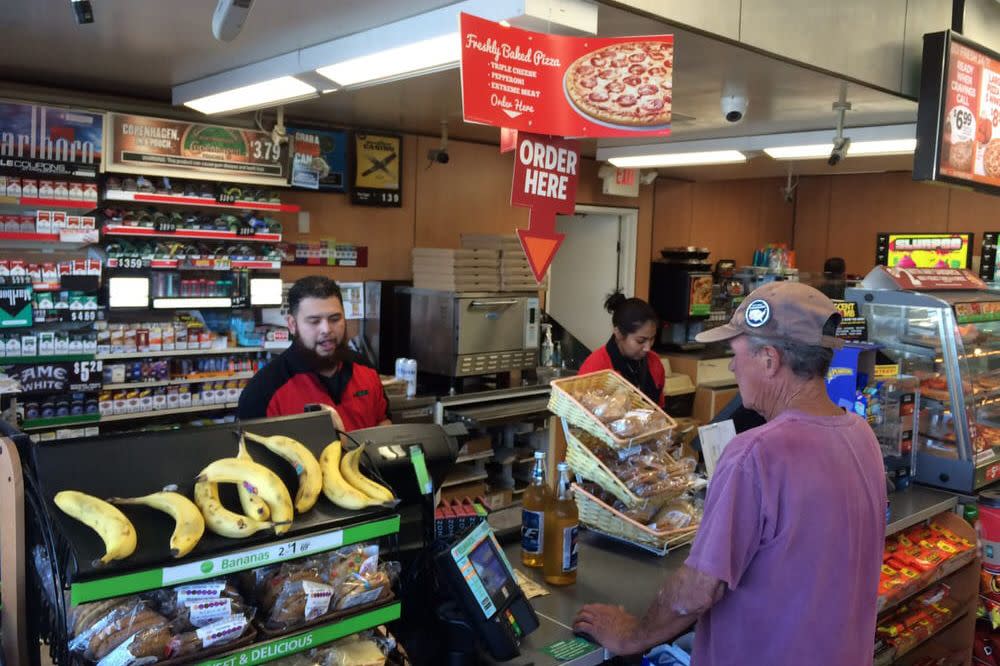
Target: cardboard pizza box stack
{"points": [[515, 271], [447, 269]]}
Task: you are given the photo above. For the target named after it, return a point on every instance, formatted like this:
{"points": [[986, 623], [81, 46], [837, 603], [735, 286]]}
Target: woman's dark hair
{"points": [[629, 314], [312, 286], [835, 267]]}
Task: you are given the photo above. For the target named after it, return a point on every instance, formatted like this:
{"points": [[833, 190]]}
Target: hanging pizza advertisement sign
{"points": [[163, 147], [566, 86]]}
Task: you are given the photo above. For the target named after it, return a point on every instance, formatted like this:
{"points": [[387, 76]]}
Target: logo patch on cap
{"points": [[757, 313]]}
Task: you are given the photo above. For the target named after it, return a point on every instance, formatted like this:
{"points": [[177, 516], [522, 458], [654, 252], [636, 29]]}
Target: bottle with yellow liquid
{"points": [[535, 503], [562, 524]]}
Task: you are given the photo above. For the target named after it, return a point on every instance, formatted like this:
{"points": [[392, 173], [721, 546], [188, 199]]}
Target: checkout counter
{"points": [[602, 558]]}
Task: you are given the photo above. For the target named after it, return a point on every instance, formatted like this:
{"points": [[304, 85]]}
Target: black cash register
{"points": [[481, 578]]}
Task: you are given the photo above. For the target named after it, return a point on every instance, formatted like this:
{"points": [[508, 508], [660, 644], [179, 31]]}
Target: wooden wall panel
{"points": [[726, 219], [972, 211], [672, 214], [861, 205], [469, 194], [777, 216], [388, 232], [812, 223]]}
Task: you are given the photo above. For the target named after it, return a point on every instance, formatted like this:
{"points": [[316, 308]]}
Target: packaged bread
{"points": [[675, 515], [368, 586], [131, 622], [302, 599], [606, 406], [197, 605], [221, 632], [637, 422]]}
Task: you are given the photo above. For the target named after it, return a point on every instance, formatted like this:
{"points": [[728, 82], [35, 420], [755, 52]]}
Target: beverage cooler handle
{"points": [[490, 304]]}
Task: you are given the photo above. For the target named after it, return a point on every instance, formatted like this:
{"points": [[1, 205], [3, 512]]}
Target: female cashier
{"points": [[628, 351]]}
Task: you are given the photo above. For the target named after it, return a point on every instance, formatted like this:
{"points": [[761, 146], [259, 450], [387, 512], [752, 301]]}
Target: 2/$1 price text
{"points": [[548, 169]]}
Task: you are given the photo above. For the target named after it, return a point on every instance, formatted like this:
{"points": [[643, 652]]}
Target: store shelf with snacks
{"points": [[179, 352], [926, 552], [210, 264], [188, 234], [180, 381], [193, 409], [36, 202], [197, 202], [295, 642]]}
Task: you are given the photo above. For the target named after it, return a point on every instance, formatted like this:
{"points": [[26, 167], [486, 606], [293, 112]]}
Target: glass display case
{"points": [[950, 342]]}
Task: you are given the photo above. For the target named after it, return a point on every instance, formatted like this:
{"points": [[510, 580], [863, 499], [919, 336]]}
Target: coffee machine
{"points": [[680, 291]]}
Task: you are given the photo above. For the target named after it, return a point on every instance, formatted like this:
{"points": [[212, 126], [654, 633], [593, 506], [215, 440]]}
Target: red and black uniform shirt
{"points": [[647, 375], [287, 384]]}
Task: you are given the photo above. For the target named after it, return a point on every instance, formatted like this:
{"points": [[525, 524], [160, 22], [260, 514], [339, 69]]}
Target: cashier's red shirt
{"points": [[287, 384], [600, 359]]}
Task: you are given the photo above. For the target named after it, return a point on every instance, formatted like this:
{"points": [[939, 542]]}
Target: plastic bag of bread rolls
{"points": [[122, 630], [220, 632]]}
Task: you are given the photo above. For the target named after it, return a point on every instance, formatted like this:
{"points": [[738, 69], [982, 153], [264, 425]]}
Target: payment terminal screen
{"points": [[485, 570]]}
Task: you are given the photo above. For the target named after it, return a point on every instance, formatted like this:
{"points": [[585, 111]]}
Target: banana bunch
{"points": [[343, 482], [304, 462], [189, 525], [111, 525], [258, 480], [221, 520], [253, 506]]}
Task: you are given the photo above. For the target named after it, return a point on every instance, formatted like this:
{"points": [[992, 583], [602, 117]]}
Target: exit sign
{"points": [[623, 183]]}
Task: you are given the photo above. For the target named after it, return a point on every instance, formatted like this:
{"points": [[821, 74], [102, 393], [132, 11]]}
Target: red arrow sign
{"points": [[545, 176]]}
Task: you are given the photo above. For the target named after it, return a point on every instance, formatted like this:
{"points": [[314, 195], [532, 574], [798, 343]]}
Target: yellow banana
{"points": [[304, 462], [111, 525], [221, 520], [336, 489], [258, 480], [350, 469], [189, 523], [253, 505]]}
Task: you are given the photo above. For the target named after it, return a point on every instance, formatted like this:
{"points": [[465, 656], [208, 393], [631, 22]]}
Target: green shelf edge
{"points": [[151, 579], [57, 358], [278, 648], [83, 419]]}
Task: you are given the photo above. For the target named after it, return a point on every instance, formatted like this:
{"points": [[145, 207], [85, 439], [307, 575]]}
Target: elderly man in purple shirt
{"points": [[785, 566]]}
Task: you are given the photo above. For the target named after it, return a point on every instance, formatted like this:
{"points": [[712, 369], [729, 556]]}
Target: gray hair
{"points": [[805, 361]]}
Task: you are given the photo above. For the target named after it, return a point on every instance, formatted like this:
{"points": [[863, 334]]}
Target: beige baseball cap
{"points": [[782, 311]]}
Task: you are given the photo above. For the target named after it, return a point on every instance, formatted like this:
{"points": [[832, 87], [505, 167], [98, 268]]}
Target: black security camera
{"points": [[439, 155], [83, 10], [839, 152]]}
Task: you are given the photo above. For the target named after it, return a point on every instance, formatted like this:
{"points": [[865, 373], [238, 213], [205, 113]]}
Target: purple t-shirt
{"points": [[795, 526]]}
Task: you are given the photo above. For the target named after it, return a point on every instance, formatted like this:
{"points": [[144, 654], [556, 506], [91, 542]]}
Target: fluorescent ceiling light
{"points": [[856, 149], [886, 147], [256, 96], [422, 56], [679, 159]]}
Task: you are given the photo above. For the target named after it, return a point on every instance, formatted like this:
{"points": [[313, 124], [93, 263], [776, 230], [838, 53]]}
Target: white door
{"points": [[585, 270]]}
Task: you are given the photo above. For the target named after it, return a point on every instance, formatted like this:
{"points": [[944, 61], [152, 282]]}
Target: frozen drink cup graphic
{"points": [[906, 262]]}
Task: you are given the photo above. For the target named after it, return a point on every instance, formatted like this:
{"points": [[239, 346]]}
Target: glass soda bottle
{"points": [[535, 503], [562, 524]]}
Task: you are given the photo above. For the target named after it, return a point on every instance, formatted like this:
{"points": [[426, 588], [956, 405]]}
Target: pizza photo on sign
{"points": [[625, 84]]}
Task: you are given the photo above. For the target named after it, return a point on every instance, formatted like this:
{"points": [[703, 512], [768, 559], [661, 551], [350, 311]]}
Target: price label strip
{"points": [[240, 560]]}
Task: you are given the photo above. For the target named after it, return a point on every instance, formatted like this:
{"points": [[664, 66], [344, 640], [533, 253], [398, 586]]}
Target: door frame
{"points": [[628, 232]]}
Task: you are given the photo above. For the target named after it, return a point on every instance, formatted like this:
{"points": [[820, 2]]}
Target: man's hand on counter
{"points": [[684, 597], [611, 626]]}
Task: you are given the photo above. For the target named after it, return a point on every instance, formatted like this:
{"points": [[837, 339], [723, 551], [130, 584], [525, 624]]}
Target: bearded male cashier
{"points": [[317, 368]]}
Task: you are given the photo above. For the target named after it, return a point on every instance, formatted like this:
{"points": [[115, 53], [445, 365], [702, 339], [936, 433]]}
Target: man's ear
{"points": [[291, 324], [772, 361]]}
